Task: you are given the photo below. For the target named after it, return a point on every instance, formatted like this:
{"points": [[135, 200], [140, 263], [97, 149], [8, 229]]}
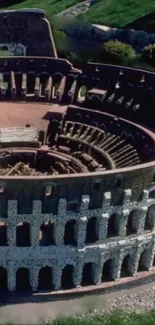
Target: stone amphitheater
{"points": [[77, 165]]}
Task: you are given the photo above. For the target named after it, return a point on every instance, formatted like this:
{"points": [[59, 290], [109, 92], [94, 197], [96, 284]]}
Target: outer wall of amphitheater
{"points": [[69, 255]]}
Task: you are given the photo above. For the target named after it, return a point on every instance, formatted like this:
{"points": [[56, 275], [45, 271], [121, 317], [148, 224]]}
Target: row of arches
{"points": [[45, 276], [47, 230]]}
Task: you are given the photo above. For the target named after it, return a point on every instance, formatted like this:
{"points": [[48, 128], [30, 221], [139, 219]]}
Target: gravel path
{"points": [[77, 9]]}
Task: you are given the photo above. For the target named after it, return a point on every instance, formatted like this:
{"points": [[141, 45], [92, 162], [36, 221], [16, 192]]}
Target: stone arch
{"points": [[87, 274], [151, 192], [132, 225], [67, 277], [70, 233], [112, 226], [45, 278], [142, 261], [23, 234], [103, 127], [125, 266], [22, 279], [91, 230], [3, 234], [150, 218], [46, 235], [3, 278], [107, 271]]}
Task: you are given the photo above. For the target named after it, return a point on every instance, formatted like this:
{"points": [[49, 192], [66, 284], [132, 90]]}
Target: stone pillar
{"points": [[106, 200], [59, 231], [11, 277], [127, 197], [84, 204], [57, 274], [141, 222], [134, 260], [11, 234], [116, 265], [152, 255], [103, 226], [77, 276], [35, 234], [34, 273], [98, 270], [149, 256], [81, 231], [122, 222]]}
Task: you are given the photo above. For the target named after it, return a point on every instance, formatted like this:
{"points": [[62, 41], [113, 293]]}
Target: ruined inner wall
{"points": [[29, 28]]}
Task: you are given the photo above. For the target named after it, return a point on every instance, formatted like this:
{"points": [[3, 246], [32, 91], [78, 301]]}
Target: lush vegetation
{"points": [[118, 12], [50, 6], [148, 54], [116, 52]]}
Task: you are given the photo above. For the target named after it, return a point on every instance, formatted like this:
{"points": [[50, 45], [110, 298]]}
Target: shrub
{"points": [[116, 52], [148, 54]]}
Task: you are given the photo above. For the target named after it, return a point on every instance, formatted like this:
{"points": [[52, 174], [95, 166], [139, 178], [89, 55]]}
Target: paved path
{"points": [[35, 312], [77, 9]]}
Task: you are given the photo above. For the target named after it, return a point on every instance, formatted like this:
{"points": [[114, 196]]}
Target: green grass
{"points": [[116, 318], [52, 7], [118, 13]]}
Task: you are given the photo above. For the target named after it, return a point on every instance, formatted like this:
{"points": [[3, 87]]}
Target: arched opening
{"points": [[45, 279], [82, 93], [150, 218], [67, 277], [46, 237], [152, 193], [131, 227], [141, 265], [22, 280], [125, 267], [91, 231], [87, 276], [3, 279], [3, 234], [55, 88], [69, 237], [112, 230], [23, 234], [106, 271]]}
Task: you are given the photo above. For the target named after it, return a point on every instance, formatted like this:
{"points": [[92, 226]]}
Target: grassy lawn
{"points": [[118, 13], [50, 6], [117, 318]]}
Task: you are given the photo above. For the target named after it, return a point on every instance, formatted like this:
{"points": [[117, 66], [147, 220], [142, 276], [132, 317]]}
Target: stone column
{"points": [[98, 270], [152, 255], [142, 217], [106, 200], [11, 277], [57, 274], [34, 273], [127, 197], [134, 260], [116, 265], [59, 231], [81, 231], [35, 228], [103, 226], [77, 276], [122, 222], [11, 234]]}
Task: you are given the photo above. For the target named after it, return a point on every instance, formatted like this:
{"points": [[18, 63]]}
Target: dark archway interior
{"points": [[69, 237], [3, 234], [3, 279], [111, 232], [67, 277], [45, 279], [141, 266], [91, 234], [124, 269], [129, 227], [147, 225], [22, 280], [47, 234], [106, 271], [23, 235], [87, 276]]}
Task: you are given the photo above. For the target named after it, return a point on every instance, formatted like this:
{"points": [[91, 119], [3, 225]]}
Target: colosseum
{"points": [[77, 165]]}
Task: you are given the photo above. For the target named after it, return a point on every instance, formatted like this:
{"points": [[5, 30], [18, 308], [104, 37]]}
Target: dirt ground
{"points": [[32, 313]]}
